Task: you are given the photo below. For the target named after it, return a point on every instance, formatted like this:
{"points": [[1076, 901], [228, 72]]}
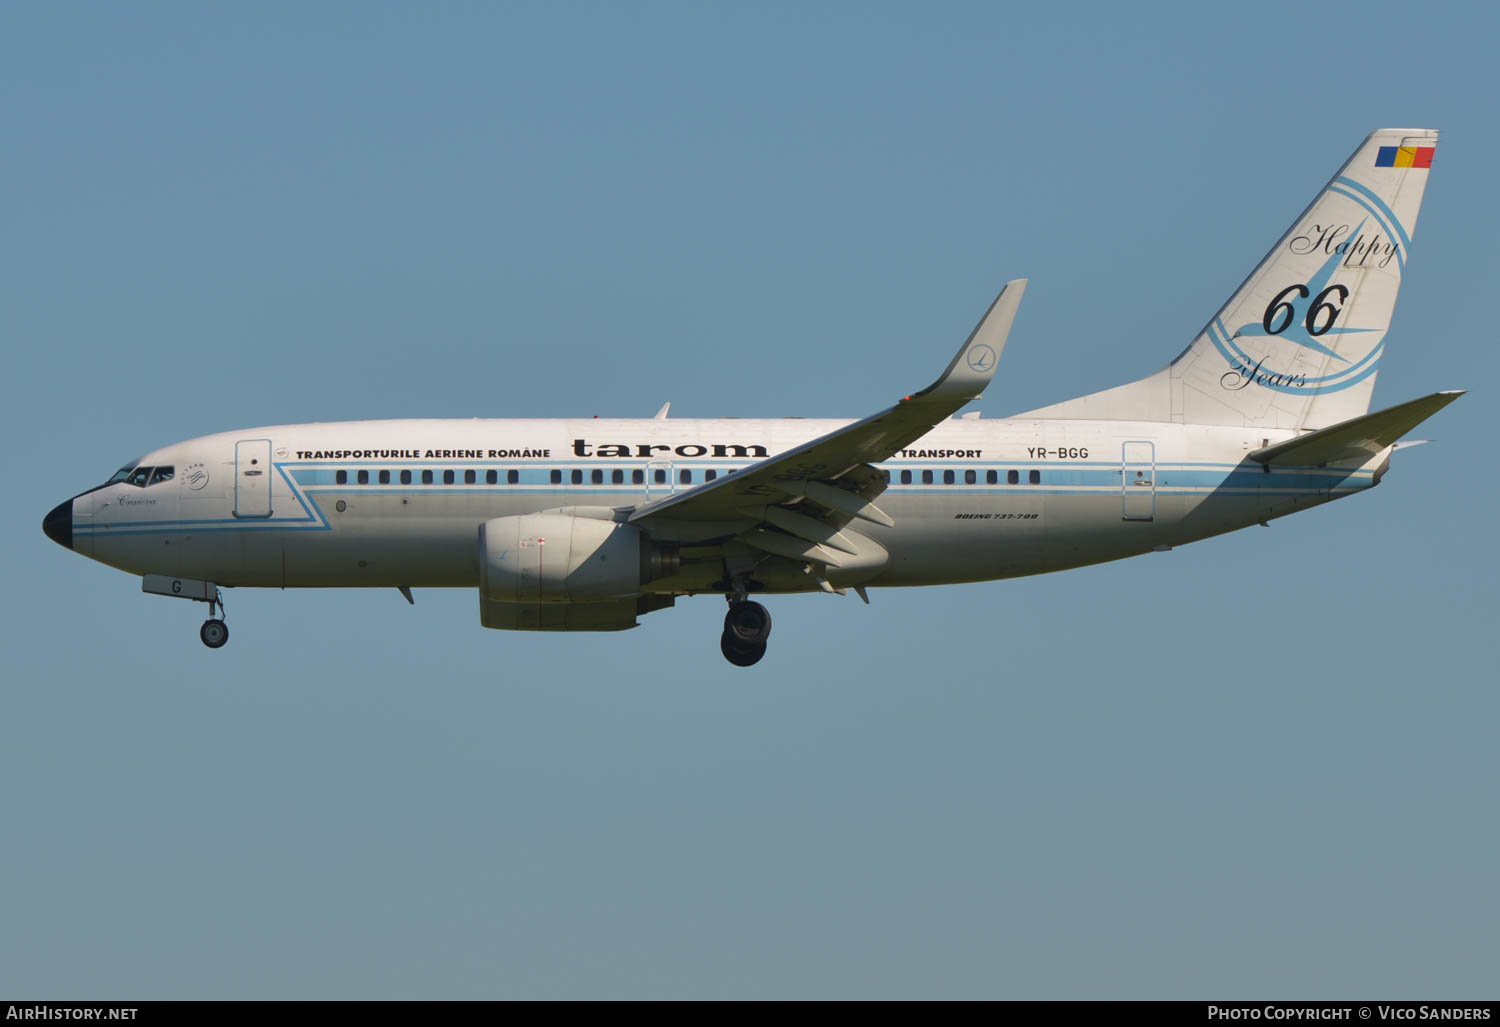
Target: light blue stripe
{"points": [[1239, 357], [1380, 208]]}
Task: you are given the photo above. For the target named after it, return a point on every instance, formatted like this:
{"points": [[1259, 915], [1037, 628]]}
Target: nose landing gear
{"points": [[214, 633], [747, 625]]}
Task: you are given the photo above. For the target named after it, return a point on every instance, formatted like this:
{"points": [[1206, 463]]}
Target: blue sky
{"points": [[1258, 765]]}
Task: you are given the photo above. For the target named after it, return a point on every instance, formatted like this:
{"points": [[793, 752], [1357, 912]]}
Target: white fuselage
{"points": [[399, 503]]}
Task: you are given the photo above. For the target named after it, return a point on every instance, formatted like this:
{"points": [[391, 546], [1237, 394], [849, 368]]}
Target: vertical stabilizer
{"points": [[1299, 343]]}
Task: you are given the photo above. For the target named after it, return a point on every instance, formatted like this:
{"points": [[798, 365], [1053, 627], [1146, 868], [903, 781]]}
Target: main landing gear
{"points": [[747, 625]]}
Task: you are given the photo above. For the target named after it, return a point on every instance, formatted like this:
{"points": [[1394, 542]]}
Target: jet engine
{"points": [[561, 557]]}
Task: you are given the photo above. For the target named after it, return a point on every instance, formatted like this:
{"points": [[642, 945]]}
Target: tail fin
{"points": [[1299, 343]]}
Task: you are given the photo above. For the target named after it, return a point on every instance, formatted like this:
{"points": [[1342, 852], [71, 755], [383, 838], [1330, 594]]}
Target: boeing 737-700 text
{"points": [[585, 525]]}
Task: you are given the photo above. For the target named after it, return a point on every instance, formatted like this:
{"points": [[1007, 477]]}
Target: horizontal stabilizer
{"points": [[1357, 439]]}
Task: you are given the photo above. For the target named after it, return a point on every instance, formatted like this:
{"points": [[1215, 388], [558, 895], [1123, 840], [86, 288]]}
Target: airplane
{"points": [[589, 524]]}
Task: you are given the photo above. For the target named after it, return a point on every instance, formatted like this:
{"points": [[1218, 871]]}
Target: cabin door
{"points": [[252, 478], [1138, 481]]}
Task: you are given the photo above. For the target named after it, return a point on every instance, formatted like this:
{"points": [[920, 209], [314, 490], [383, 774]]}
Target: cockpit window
{"points": [[122, 473], [162, 474], [139, 477]]}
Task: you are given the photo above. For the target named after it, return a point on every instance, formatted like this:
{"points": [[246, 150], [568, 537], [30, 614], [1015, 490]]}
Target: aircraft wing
{"points": [[834, 471]]}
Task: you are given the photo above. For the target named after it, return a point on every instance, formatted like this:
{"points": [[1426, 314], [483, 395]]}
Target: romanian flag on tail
{"points": [[1404, 157]]}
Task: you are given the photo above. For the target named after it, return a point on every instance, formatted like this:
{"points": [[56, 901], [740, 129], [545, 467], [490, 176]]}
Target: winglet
{"points": [[974, 365]]}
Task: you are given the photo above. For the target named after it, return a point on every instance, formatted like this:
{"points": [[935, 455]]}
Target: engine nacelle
{"points": [[564, 558]]}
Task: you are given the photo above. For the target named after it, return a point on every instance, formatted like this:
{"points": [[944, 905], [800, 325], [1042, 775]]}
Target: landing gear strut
{"points": [[747, 625], [214, 632]]}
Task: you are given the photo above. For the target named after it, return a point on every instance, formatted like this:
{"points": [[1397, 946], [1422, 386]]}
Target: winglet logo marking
{"points": [[981, 358]]}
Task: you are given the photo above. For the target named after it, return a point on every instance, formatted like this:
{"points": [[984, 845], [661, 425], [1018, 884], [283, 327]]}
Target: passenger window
{"points": [[385, 477], [341, 477], [511, 477], [661, 477], [576, 477], [1035, 477], [971, 478], [364, 477], [426, 477], [139, 477], [470, 477], [448, 477], [406, 477], [556, 477], [926, 477], [710, 475], [947, 477], [617, 477], [686, 477], [596, 477], [991, 477], [906, 477], [1012, 477], [637, 477]]}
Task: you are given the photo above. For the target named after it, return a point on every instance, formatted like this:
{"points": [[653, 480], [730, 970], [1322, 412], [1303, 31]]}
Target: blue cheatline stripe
{"points": [[1110, 495], [1069, 476], [1065, 478], [1110, 491]]}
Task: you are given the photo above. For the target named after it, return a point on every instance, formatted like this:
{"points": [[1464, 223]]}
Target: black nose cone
{"points": [[59, 524]]}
